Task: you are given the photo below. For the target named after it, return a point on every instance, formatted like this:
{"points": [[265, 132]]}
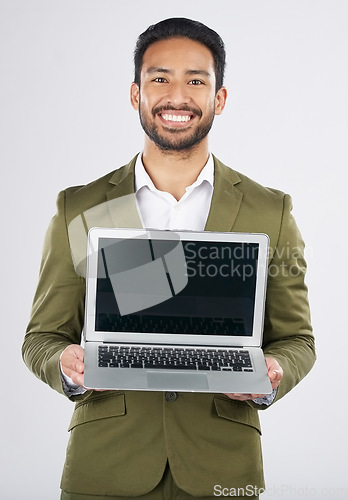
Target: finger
{"points": [[276, 375], [275, 371], [79, 366], [79, 352], [77, 379], [275, 379], [80, 355]]}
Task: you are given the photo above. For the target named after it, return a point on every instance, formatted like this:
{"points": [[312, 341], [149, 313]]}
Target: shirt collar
{"points": [[142, 178]]}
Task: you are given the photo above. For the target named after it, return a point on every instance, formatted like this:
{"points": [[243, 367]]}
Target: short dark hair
{"points": [[180, 27]]}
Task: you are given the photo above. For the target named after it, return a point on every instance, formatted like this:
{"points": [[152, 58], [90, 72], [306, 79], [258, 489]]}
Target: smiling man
{"points": [[153, 445]]}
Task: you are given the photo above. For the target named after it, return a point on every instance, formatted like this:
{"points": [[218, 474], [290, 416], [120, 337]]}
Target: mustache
{"points": [[168, 107]]}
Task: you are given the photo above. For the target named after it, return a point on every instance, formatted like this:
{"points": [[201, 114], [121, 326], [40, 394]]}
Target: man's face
{"points": [[177, 100]]}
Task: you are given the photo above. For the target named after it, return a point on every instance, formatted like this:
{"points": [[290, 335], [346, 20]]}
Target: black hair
{"points": [[180, 27]]}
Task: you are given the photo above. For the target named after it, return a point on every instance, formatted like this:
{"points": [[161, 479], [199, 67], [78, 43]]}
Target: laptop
{"points": [[175, 311]]}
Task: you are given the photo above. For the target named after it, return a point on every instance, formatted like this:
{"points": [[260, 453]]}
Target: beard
{"points": [[180, 140]]}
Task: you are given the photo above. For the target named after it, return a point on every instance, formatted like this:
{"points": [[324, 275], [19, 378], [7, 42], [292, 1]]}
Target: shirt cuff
{"points": [[266, 400]]}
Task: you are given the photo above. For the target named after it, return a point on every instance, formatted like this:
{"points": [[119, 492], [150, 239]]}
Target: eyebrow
{"points": [[157, 69]]}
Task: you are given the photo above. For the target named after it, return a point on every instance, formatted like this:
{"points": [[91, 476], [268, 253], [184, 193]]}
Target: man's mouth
{"points": [[176, 118]]}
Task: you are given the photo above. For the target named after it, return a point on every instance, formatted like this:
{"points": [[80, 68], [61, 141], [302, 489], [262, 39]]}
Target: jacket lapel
{"points": [[121, 202], [226, 199]]}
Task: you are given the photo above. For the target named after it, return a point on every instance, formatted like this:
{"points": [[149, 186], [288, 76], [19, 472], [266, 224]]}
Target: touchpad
{"points": [[177, 381]]}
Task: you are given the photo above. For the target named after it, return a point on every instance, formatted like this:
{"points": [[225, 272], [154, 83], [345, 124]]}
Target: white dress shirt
{"points": [[160, 210]]}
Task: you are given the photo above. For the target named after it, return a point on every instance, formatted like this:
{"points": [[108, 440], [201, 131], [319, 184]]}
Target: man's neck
{"points": [[174, 171]]}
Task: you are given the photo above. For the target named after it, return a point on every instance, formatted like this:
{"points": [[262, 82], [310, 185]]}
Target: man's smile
{"points": [[177, 118]]}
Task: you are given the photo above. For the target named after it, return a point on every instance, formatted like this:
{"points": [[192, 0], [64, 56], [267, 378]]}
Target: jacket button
{"points": [[171, 396]]}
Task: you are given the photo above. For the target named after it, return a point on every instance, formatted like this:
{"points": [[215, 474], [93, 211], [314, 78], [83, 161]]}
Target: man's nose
{"points": [[178, 94]]}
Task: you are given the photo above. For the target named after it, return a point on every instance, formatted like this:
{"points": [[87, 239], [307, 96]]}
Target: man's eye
{"points": [[160, 79], [195, 82]]}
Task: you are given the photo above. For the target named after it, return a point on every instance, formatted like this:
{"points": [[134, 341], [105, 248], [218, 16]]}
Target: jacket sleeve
{"points": [[288, 333], [58, 308]]}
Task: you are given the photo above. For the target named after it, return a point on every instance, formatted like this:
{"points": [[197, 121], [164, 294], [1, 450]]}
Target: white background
{"points": [[65, 72]]}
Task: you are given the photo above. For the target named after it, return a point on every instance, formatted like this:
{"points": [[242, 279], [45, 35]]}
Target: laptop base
{"points": [[255, 382]]}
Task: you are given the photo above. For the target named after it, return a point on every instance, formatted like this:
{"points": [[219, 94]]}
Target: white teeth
{"points": [[176, 118]]}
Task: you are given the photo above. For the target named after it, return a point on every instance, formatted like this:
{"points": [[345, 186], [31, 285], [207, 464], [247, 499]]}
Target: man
{"points": [[154, 445]]}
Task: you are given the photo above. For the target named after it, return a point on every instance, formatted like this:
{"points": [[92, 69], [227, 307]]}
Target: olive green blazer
{"points": [[120, 441]]}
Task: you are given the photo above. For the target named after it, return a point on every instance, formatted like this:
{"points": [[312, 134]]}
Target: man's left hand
{"points": [[275, 373]]}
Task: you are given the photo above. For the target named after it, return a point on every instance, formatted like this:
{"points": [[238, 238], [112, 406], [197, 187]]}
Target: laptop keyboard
{"points": [[179, 358]]}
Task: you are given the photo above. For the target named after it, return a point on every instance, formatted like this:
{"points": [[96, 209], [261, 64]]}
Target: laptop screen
{"points": [[184, 287]]}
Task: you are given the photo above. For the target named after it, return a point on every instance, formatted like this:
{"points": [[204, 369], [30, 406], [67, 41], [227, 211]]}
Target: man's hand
{"points": [[275, 373], [72, 363]]}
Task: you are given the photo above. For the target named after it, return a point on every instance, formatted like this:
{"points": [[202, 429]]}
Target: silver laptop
{"points": [[175, 310]]}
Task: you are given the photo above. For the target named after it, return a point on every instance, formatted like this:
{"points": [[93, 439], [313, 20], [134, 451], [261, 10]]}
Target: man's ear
{"points": [[134, 96], [220, 100]]}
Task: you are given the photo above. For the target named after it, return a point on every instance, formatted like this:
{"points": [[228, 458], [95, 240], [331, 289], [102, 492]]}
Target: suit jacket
{"points": [[120, 441]]}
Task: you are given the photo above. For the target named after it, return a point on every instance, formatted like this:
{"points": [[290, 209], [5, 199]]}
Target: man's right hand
{"points": [[72, 363]]}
